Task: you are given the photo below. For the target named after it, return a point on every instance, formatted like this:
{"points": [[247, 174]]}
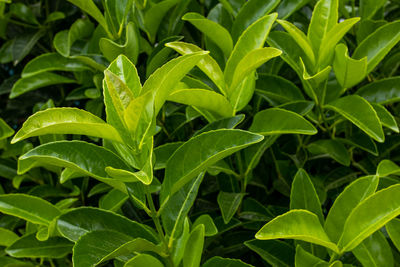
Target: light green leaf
{"points": [[304, 196], [386, 168], [29, 208], [357, 110], [344, 204], [297, 224], [5, 130], [143, 260], [393, 229], [378, 44], [209, 227], [369, 216], [349, 72], [52, 62], [207, 64], [333, 148], [288, 7], [202, 98], [77, 222], [386, 117], [275, 252], [194, 247], [229, 203], [39, 80], [127, 176], [384, 91], [252, 38], [90, 7], [202, 151], [29, 247], [304, 259], [65, 121], [374, 251], [279, 121], [217, 33], [113, 200], [7, 237]]}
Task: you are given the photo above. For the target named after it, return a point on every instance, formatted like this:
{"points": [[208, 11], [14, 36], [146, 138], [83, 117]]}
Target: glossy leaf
{"points": [[188, 160], [288, 7], [219, 261], [333, 148], [90, 7], [65, 121], [7, 237], [29, 208], [29, 246], [77, 222], [194, 247], [377, 45], [369, 216], [126, 71], [217, 33], [304, 196], [386, 117], [297, 224], [209, 227], [357, 110], [345, 203], [5, 130], [387, 167], [163, 153], [143, 260], [39, 80], [275, 252], [368, 8], [304, 258], [393, 229], [280, 121], [383, 91], [229, 204], [277, 89]]}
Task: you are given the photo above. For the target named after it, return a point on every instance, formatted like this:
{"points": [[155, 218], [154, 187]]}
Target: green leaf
{"points": [[378, 44], [189, 160], [12, 262], [374, 251], [24, 13], [90, 249], [194, 247], [357, 110], [297, 224], [226, 123], [29, 208], [29, 247], [288, 7], [333, 148], [345, 203], [77, 222], [163, 152], [384, 91], [252, 38], [304, 258], [7, 237], [369, 216], [324, 18], [275, 252], [78, 155], [386, 168], [209, 227], [393, 229], [250, 12], [385, 117], [143, 260], [276, 89], [204, 99], [5, 130], [39, 80], [251, 62], [113, 200], [349, 72], [23, 44], [229, 204], [368, 8], [90, 7], [52, 62], [304, 196], [219, 261], [301, 39], [217, 33], [65, 121], [279, 121], [208, 65]]}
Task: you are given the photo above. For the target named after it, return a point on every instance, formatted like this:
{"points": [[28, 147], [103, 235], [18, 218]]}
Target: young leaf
{"points": [[29, 208], [194, 247], [77, 222], [29, 247], [357, 110], [304, 196], [143, 260], [218, 34], [369, 216], [127, 73], [209, 227], [333, 148], [387, 167], [275, 252], [297, 224], [200, 152], [344, 204], [228, 204], [378, 44], [304, 258], [65, 121], [280, 121]]}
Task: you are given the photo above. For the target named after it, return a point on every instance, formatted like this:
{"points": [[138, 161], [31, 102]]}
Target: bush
{"points": [[188, 133]]}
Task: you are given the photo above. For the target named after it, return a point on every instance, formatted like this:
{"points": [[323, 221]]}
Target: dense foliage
{"points": [[187, 133]]}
